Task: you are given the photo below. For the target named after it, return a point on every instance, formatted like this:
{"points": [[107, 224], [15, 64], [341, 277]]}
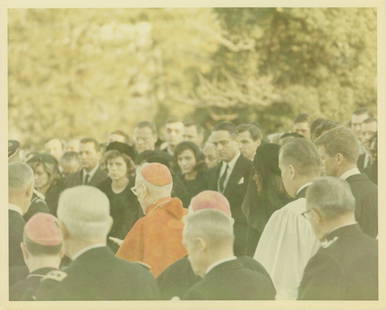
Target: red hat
{"points": [[43, 229], [157, 174], [210, 200]]}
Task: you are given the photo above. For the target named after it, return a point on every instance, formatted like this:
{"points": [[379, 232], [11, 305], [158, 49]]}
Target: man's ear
{"points": [[291, 171], [339, 158], [201, 244]]}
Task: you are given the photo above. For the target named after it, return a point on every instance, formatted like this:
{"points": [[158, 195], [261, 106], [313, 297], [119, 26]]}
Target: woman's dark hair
{"points": [[108, 155], [188, 145], [265, 188], [49, 164]]}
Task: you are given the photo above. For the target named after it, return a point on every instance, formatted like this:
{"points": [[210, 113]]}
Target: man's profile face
{"points": [[195, 253], [247, 145], [174, 132], [89, 157], [144, 139], [356, 123], [303, 129], [368, 131], [329, 163], [226, 146]]}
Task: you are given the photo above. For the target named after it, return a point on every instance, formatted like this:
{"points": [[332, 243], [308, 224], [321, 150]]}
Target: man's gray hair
{"points": [[212, 225], [331, 196], [303, 155], [85, 212], [20, 176]]}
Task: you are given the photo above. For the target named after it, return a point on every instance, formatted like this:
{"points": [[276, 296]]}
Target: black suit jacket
{"points": [[235, 191], [236, 187], [366, 206], [26, 288], [179, 277], [17, 267], [345, 270], [76, 178], [232, 281], [98, 275]]}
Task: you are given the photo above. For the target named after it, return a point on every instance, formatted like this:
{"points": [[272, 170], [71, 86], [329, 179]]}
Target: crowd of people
{"points": [[229, 214]]}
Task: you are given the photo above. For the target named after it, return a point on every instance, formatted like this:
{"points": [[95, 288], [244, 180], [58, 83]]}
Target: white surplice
{"points": [[285, 247]]}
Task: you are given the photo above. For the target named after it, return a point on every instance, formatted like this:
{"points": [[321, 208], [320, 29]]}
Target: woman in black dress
{"points": [[48, 181], [191, 167], [124, 206], [265, 193]]}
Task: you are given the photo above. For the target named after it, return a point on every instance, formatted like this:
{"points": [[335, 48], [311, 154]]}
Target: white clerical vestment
{"points": [[285, 247]]}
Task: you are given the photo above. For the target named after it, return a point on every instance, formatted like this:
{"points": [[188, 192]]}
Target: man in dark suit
{"points": [[179, 277], [339, 151], [91, 173], [208, 237], [95, 273], [20, 188], [346, 266], [230, 177], [42, 250]]}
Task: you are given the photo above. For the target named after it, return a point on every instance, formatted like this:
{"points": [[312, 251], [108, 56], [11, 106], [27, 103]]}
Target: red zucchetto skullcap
{"points": [[157, 174], [43, 229], [210, 200]]}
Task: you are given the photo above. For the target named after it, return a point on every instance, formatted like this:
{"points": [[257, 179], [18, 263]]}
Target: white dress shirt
{"points": [[231, 165], [91, 174], [350, 173], [285, 247]]}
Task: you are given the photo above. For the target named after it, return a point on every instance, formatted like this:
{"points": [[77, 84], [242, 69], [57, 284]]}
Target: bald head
{"points": [[210, 200]]}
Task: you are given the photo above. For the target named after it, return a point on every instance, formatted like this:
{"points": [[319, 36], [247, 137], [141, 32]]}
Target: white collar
{"points": [[350, 173], [220, 262], [303, 186], [84, 250], [15, 208], [232, 163], [91, 173]]}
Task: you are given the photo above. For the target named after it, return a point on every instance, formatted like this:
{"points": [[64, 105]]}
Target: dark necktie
{"points": [[222, 179]]}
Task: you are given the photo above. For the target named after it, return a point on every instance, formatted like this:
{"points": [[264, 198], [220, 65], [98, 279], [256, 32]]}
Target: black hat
{"points": [[267, 158], [13, 147], [123, 148]]}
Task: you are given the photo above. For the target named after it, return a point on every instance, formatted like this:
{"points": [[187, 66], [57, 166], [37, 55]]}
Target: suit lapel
{"points": [[236, 174]]}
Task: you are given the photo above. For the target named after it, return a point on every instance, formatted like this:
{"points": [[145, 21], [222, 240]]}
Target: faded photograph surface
{"points": [[192, 154]]}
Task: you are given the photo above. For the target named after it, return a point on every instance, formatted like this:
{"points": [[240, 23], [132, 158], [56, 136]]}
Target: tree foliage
{"points": [[75, 72]]}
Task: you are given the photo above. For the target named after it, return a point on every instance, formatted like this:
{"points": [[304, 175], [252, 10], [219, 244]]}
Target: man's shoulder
{"points": [[294, 208]]}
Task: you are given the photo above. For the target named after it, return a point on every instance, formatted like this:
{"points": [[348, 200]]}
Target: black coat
{"points": [[76, 178], [15, 232], [366, 206], [235, 191], [179, 277], [37, 205], [98, 275], [232, 281], [347, 269], [26, 288]]}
